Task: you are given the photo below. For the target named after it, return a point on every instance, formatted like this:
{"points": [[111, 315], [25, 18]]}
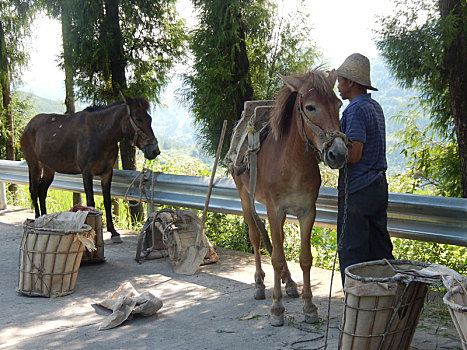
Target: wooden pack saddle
{"points": [[254, 120]]}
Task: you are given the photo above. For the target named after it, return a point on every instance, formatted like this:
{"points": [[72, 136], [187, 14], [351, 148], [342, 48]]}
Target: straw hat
{"points": [[356, 67]]}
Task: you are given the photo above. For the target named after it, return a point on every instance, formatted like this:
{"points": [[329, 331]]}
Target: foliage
{"points": [[413, 43], [15, 17], [21, 108], [410, 42], [451, 256], [430, 161], [228, 231], [278, 42], [151, 39], [238, 49], [220, 81]]}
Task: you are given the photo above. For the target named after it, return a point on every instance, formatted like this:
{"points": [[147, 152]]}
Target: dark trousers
{"points": [[365, 235]]}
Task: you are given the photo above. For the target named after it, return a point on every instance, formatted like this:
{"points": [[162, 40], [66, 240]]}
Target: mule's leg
{"points": [[46, 180], [291, 287], [88, 189], [255, 239], [276, 221], [306, 224], [34, 180], [106, 181], [34, 167]]}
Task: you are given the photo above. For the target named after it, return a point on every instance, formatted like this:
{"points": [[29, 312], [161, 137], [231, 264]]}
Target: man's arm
{"points": [[355, 153]]}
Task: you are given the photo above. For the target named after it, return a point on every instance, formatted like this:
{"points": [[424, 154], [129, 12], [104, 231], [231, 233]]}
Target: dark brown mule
{"points": [[85, 143], [304, 125]]}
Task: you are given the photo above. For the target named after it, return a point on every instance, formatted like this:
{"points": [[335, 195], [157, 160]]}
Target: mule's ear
{"points": [[332, 77], [292, 83], [125, 98]]}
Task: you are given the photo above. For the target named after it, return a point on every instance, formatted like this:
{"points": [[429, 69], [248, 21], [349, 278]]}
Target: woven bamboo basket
{"points": [[382, 307], [49, 260], [94, 219], [456, 301]]}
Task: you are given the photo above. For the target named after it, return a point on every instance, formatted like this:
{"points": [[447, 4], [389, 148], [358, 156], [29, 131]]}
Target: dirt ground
{"points": [[212, 309]]}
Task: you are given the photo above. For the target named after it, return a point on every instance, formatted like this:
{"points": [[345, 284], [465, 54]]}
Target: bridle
{"points": [[326, 137], [139, 133]]}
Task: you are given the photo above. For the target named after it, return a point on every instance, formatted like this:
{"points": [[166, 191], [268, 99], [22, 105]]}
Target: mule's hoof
{"points": [[116, 239], [260, 294], [292, 292], [277, 321], [312, 317]]}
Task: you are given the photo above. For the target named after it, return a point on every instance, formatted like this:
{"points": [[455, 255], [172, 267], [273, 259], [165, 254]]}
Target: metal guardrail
{"points": [[424, 218]]}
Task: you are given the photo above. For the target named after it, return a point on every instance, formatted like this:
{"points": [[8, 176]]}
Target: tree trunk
{"points": [[117, 66], [241, 72], [68, 57], [69, 70], [455, 63], [6, 98]]}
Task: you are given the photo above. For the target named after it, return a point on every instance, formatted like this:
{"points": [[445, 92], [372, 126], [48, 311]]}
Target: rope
{"points": [[326, 137], [145, 175], [307, 341], [339, 249]]}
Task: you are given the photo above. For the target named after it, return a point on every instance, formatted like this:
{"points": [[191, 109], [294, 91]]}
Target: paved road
{"points": [[213, 309]]}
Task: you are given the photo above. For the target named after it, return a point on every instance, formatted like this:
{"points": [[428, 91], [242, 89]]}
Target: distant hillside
{"points": [[43, 105], [174, 123]]}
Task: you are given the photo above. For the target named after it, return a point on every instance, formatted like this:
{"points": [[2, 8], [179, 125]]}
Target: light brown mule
{"points": [[304, 125]]}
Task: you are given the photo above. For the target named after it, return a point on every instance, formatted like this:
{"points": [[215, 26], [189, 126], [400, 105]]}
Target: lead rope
{"points": [[145, 175], [339, 249]]}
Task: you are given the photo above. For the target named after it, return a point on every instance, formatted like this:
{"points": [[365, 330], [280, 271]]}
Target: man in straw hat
{"points": [[364, 234]]}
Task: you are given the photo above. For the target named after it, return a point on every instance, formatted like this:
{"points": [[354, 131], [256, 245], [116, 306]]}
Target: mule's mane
{"points": [[284, 103], [141, 102]]}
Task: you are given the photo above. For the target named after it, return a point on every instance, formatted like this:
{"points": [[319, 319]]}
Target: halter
{"points": [[326, 137], [138, 131]]}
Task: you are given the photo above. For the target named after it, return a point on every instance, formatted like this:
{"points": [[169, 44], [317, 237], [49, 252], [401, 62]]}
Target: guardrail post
{"points": [[2, 196]]}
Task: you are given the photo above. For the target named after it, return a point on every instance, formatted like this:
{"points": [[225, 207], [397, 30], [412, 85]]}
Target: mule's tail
{"points": [[264, 233]]}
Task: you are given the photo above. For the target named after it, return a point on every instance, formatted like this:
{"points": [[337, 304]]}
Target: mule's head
{"points": [[140, 130], [317, 111]]}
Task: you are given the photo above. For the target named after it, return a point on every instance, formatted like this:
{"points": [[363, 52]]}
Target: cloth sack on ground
{"points": [[126, 302]]}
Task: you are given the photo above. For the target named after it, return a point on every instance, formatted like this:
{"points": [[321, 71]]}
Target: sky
{"points": [[340, 28]]}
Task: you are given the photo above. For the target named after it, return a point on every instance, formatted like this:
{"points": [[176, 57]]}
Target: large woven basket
{"points": [[382, 307], [456, 301], [49, 260]]}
